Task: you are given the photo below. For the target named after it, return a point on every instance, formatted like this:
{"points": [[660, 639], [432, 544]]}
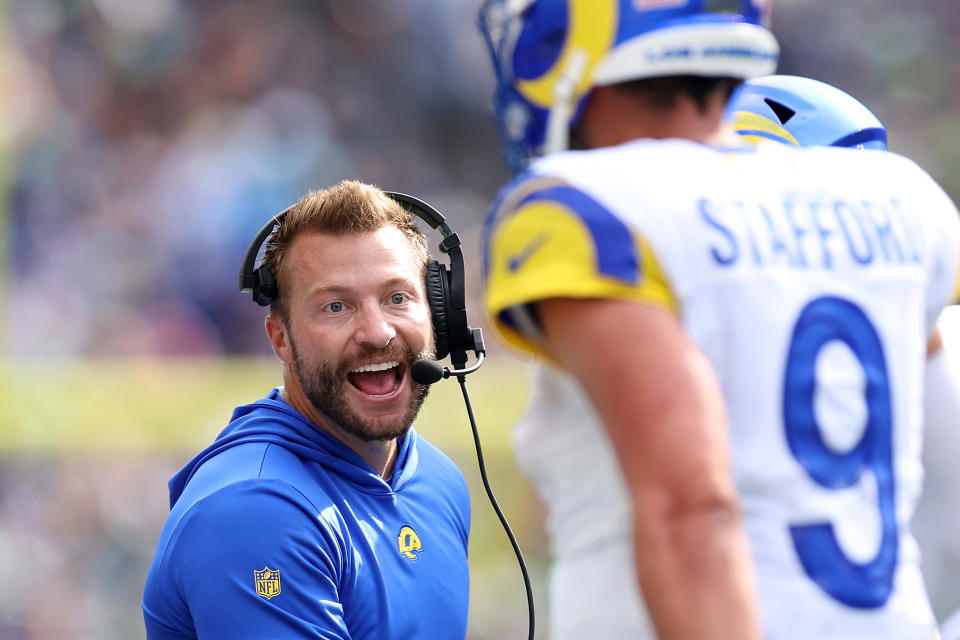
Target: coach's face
{"points": [[357, 321]]}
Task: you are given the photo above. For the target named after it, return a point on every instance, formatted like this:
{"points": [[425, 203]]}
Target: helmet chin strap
{"points": [[564, 101]]}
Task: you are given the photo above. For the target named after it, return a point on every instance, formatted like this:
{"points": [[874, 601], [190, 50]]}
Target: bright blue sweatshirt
{"points": [[278, 530]]}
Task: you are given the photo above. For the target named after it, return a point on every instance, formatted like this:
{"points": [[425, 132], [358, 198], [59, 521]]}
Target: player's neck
{"points": [[612, 117]]}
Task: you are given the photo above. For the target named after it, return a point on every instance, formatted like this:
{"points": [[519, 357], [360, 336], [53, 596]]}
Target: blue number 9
{"points": [[823, 320]]}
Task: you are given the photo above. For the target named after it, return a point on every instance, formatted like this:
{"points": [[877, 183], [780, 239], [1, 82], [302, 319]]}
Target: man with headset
{"points": [[733, 337], [319, 511]]}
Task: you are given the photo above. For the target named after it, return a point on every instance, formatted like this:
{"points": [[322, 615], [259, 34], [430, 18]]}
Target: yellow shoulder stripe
{"points": [[545, 249]]}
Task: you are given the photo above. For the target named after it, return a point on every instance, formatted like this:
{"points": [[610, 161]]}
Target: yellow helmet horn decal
{"points": [[592, 29], [752, 127]]}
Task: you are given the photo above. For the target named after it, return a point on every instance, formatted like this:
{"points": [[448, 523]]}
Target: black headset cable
{"points": [[496, 507]]}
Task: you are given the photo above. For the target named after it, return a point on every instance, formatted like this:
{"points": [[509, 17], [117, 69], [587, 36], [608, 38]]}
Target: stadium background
{"points": [[145, 143]]}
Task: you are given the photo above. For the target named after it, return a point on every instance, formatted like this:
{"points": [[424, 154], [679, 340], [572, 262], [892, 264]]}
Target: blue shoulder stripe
{"points": [[616, 251]]}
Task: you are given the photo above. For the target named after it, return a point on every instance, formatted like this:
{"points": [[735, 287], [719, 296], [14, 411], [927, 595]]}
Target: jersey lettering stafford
{"points": [[810, 278]]}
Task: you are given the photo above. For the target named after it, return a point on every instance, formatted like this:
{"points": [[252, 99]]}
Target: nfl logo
{"points": [[267, 582]]}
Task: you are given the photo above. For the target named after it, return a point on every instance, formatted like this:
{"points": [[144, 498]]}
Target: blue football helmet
{"points": [[803, 112], [549, 54]]}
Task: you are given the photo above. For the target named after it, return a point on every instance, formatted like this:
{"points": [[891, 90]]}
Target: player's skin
{"points": [[663, 409]]}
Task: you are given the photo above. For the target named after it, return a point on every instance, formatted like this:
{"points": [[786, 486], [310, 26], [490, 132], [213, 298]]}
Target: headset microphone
{"points": [[429, 371]]}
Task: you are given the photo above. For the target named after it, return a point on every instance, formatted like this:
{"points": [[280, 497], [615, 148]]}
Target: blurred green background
{"points": [[88, 446], [145, 142]]}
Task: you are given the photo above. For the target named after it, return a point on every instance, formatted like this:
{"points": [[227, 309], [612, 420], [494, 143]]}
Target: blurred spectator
{"points": [[151, 139], [154, 138]]}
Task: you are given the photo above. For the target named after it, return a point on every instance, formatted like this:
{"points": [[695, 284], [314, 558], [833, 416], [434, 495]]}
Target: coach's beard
{"points": [[324, 386]]}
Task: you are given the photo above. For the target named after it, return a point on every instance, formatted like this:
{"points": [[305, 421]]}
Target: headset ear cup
{"points": [[436, 287], [265, 286]]}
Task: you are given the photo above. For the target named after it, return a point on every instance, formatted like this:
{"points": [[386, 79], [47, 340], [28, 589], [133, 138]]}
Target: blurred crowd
{"points": [[149, 140]]}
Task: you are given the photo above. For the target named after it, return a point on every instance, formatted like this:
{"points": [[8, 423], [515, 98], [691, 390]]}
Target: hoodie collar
{"points": [[272, 420]]}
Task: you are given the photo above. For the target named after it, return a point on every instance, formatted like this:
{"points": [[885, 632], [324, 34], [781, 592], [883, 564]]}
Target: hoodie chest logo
{"points": [[409, 543], [267, 582]]}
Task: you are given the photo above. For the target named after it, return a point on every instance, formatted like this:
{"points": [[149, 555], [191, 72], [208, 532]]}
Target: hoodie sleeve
{"points": [[270, 569]]}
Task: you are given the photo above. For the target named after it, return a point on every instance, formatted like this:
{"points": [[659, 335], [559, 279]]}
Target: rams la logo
{"points": [[267, 582], [409, 543]]}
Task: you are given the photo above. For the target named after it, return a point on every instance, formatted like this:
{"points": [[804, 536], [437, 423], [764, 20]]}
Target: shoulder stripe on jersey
{"points": [[504, 203], [547, 239], [615, 250]]}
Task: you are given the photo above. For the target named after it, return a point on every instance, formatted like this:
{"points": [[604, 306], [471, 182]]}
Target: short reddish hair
{"points": [[350, 207]]}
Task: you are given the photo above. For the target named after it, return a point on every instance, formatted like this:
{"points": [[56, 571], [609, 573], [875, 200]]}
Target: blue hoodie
{"points": [[279, 530]]}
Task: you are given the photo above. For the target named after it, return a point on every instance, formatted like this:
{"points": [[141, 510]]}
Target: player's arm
{"points": [[942, 403], [941, 450], [661, 404], [943, 239], [568, 280], [934, 343]]}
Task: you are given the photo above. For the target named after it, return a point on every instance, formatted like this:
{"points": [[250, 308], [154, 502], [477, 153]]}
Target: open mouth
{"points": [[377, 380]]}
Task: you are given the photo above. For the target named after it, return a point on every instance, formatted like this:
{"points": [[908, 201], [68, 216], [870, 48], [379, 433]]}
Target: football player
{"points": [[803, 112], [806, 112], [734, 336]]}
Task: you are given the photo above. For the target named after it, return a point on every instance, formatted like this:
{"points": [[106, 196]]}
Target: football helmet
{"points": [[803, 112], [549, 54]]}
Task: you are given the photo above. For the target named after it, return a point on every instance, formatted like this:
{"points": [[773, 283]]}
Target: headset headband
{"points": [[445, 288], [413, 205]]}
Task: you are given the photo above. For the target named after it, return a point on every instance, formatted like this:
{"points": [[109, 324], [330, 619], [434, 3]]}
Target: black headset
{"points": [[445, 288]]}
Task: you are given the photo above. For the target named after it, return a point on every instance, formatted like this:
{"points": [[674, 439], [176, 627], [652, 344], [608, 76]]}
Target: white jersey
{"points": [[933, 523], [810, 279]]}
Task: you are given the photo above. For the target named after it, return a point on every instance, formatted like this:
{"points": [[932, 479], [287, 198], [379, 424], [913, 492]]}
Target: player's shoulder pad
{"points": [[555, 205], [550, 236]]}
